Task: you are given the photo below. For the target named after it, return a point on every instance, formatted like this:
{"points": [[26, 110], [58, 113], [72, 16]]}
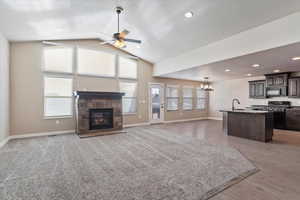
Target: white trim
{"points": [[134, 125], [186, 120], [215, 118], [3, 142], [30, 135]]}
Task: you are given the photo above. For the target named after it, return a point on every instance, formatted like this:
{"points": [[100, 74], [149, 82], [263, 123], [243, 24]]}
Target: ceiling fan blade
{"points": [[124, 33], [133, 40]]}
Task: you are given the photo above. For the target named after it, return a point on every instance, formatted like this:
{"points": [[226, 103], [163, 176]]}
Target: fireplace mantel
{"points": [[91, 94], [88, 101]]}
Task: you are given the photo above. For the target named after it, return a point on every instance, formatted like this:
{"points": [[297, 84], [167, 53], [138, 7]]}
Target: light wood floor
{"points": [[278, 161]]}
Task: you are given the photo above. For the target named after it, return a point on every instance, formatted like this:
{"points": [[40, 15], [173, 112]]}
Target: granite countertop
{"points": [[245, 111]]}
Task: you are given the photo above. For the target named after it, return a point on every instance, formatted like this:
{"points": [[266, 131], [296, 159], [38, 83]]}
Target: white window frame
{"points": [[53, 71], [96, 75], [118, 68], [167, 97], [190, 98], [202, 98], [136, 97], [46, 75]]}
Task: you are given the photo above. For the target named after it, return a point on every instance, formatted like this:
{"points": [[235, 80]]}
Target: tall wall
{"points": [[225, 91], [27, 90], [4, 88]]}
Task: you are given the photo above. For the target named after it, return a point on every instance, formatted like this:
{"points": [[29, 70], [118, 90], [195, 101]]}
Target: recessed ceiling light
{"points": [[227, 70], [189, 14], [296, 58], [138, 46], [249, 74], [276, 70], [256, 65]]}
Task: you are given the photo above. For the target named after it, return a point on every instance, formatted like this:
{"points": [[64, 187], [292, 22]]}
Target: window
{"points": [[201, 99], [187, 98], [130, 98], [57, 96], [58, 59], [94, 62], [127, 68], [172, 98]]}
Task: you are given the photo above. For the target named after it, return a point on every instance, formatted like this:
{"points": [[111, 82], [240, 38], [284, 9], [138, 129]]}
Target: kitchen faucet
{"points": [[233, 100]]}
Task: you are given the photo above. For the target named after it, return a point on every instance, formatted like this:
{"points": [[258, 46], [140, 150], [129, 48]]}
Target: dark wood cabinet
{"points": [[294, 87], [293, 119], [257, 89], [277, 80]]}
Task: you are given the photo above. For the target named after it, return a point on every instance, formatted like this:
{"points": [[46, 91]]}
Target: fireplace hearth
{"points": [[98, 113]]}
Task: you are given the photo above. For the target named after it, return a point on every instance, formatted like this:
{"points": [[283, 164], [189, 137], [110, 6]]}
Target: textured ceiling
{"points": [[159, 23], [270, 60]]}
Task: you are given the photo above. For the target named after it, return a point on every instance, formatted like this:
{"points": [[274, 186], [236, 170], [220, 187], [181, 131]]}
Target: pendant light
{"points": [[206, 86]]}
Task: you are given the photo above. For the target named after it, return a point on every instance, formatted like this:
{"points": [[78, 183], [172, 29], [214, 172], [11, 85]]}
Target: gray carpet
{"points": [[146, 163]]}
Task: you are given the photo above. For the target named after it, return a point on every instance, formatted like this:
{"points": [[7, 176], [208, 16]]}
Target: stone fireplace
{"points": [[98, 113]]}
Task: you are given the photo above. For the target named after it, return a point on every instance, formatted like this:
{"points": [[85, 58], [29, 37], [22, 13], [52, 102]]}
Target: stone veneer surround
{"points": [[84, 101]]}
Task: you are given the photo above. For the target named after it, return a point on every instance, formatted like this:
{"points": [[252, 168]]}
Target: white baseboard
{"points": [[4, 141], [215, 118], [40, 134], [185, 120], [134, 125]]}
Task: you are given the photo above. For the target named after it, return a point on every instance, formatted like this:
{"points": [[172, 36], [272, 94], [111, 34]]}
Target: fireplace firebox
{"points": [[101, 118]]}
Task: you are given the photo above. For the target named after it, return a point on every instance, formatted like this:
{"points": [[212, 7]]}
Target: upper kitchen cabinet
{"points": [[294, 87], [257, 89], [277, 85], [277, 80]]}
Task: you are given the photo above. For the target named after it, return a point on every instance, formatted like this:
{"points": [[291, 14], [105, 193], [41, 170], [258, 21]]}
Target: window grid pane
{"points": [[187, 92], [94, 62], [172, 92], [201, 99], [129, 105], [58, 106], [187, 103], [58, 87], [58, 59], [58, 97], [127, 68], [201, 103], [172, 98], [172, 103], [129, 102]]}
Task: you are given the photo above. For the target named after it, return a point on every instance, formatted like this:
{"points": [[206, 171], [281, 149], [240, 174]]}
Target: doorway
{"points": [[156, 100]]}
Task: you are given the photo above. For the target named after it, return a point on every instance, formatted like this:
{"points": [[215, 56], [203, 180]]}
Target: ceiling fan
{"points": [[119, 38]]}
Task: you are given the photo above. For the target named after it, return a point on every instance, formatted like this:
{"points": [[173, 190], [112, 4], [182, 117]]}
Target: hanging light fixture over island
{"points": [[206, 86]]}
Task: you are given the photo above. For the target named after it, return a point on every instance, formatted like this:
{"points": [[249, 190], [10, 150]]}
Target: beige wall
{"points": [[27, 90], [4, 88], [225, 91]]}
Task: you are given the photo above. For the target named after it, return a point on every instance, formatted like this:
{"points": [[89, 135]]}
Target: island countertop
{"points": [[245, 111], [250, 124]]}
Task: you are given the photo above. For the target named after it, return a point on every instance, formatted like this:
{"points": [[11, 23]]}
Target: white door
{"points": [[156, 95]]}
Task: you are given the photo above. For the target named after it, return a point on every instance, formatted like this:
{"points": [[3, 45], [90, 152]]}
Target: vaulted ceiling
{"points": [[159, 23]]}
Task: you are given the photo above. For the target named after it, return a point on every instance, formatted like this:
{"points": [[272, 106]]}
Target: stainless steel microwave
{"points": [[273, 92]]}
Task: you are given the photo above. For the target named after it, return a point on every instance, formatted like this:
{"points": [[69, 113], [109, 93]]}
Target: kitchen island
{"points": [[250, 124]]}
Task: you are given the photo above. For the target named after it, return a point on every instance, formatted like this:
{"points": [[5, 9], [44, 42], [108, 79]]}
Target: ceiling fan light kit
{"points": [[119, 39]]}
